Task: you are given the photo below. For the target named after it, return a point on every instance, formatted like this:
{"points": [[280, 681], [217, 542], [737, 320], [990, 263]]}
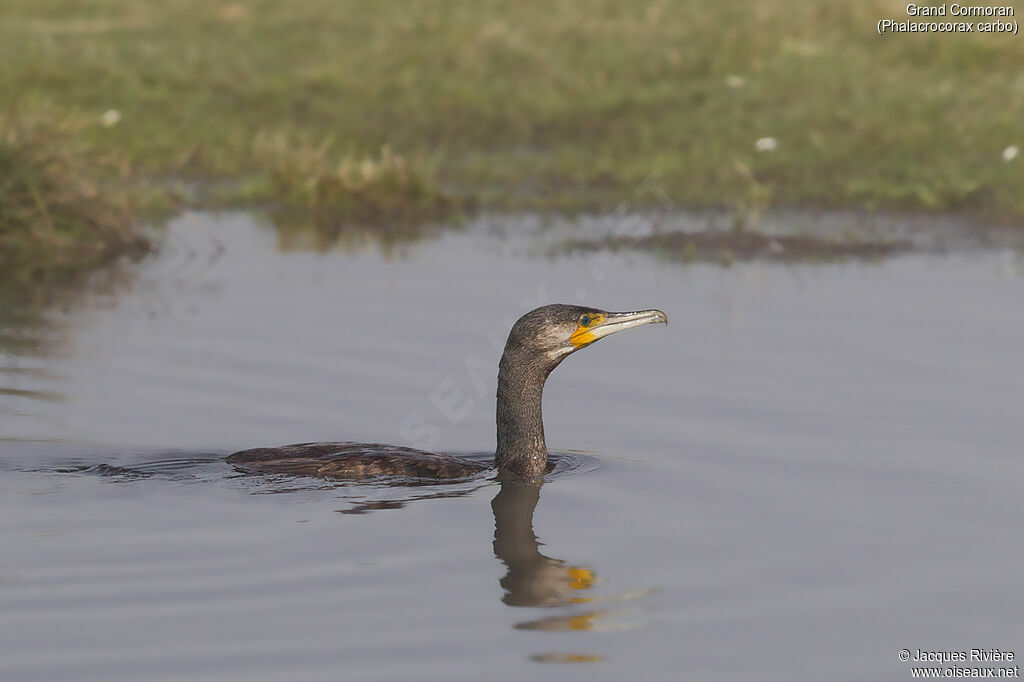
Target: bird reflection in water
{"points": [[532, 579], [536, 580]]}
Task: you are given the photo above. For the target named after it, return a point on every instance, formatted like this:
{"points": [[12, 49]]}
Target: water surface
{"points": [[810, 469]]}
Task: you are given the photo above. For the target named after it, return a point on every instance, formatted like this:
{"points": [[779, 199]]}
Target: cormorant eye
{"points": [[584, 320]]}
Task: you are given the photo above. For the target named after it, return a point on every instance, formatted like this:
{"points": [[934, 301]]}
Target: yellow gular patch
{"points": [[583, 336]]}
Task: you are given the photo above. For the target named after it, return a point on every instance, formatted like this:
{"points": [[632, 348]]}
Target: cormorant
{"points": [[538, 342]]}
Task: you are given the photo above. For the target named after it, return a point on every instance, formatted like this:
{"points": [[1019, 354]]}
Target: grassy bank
{"points": [[562, 105], [60, 203]]}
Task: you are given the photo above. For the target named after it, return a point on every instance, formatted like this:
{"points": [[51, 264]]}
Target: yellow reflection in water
{"points": [[535, 580]]}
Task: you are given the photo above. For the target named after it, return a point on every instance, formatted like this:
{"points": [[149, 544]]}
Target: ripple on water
{"points": [[812, 449], [361, 496]]}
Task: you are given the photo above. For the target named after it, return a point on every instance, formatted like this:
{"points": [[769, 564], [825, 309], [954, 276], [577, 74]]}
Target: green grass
{"points": [[60, 203], [556, 105]]}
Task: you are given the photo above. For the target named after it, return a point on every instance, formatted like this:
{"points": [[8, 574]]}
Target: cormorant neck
{"points": [[521, 376]]}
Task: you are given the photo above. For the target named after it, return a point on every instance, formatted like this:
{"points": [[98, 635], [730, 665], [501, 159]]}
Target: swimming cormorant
{"points": [[538, 342]]}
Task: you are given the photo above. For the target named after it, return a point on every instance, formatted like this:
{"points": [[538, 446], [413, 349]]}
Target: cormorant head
{"points": [[557, 330], [540, 340]]}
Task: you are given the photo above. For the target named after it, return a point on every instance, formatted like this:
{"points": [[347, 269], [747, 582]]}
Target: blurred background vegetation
{"points": [[117, 112]]}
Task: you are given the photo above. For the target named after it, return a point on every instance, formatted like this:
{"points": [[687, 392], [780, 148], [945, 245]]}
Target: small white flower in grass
{"points": [[766, 144], [111, 117], [1010, 153], [735, 82]]}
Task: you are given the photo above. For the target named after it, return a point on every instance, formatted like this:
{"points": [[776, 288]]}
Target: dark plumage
{"points": [[354, 461], [538, 342]]}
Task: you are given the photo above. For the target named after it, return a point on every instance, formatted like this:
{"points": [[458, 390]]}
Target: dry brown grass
{"points": [[58, 204], [377, 189]]}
